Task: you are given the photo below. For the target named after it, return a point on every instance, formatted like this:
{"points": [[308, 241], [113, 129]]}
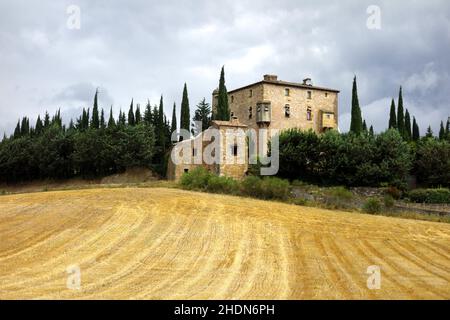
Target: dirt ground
{"points": [[137, 243]]}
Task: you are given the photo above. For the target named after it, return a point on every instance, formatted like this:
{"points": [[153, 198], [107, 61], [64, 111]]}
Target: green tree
{"points": [[415, 130], [392, 116], [203, 115], [400, 114], [148, 114], [102, 119], [138, 117], [223, 110], [173, 123], [432, 164], [371, 133], [185, 118], [364, 126], [39, 127], [95, 122], [131, 120], [111, 121], [442, 131], [407, 134], [356, 118], [429, 133]]}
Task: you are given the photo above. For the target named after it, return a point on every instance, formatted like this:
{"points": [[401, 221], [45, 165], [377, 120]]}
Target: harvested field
{"points": [[158, 243]]}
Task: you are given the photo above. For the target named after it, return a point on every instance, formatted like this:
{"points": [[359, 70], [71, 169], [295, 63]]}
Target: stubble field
{"points": [[157, 243]]}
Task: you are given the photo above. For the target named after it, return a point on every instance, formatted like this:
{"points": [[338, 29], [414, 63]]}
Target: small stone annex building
{"points": [[267, 104]]}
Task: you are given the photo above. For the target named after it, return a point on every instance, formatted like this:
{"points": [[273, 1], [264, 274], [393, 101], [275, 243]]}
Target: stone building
{"points": [[276, 104], [267, 104], [230, 155]]}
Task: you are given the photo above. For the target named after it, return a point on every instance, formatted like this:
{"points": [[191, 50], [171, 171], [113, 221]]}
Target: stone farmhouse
{"points": [[267, 104]]}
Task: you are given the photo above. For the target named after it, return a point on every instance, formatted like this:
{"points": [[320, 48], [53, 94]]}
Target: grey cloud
{"points": [[142, 49]]}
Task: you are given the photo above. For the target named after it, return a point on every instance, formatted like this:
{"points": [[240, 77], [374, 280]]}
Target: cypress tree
{"points": [[415, 130], [17, 130], [447, 129], [161, 125], [223, 109], [95, 122], [356, 120], [400, 114], [111, 121], [148, 114], [407, 126], [442, 131], [371, 133], [25, 127], [392, 117], [185, 118], [39, 126], [364, 126], [429, 133], [173, 123], [102, 119], [131, 121], [138, 117], [47, 120]]}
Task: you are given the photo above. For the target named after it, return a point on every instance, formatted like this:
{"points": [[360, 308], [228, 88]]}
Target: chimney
{"points": [[270, 77], [307, 82]]}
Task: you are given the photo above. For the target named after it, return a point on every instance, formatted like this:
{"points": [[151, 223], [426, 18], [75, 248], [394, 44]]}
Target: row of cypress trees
{"points": [[399, 119]]}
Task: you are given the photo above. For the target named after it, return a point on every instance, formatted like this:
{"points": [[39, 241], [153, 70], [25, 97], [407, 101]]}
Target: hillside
{"points": [[172, 244]]}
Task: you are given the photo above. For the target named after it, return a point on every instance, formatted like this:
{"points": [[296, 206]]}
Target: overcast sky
{"points": [[141, 49]]}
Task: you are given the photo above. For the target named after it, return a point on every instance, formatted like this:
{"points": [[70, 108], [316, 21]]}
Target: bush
{"points": [[197, 179], [388, 201], [338, 197], [266, 188], [226, 185], [394, 192], [441, 195], [275, 188], [372, 206]]}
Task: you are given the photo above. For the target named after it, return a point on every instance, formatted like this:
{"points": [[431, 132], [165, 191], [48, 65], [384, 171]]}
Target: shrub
{"points": [[196, 179], [441, 195], [338, 197], [394, 192], [218, 184], [388, 201], [265, 188], [251, 186], [275, 188], [372, 206]]}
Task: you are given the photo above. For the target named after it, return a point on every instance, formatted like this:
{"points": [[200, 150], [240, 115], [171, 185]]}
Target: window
{"points": [[234, 150], [194, 152], [186, 170], [250, 112], [232, 114], [287, 111], [286, 92], [309, 94], [326, 94], [308, 114], [232, 99], [250, 93]]}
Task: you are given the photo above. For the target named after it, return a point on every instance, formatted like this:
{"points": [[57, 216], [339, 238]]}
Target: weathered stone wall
{"points": [[321, 102]]}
